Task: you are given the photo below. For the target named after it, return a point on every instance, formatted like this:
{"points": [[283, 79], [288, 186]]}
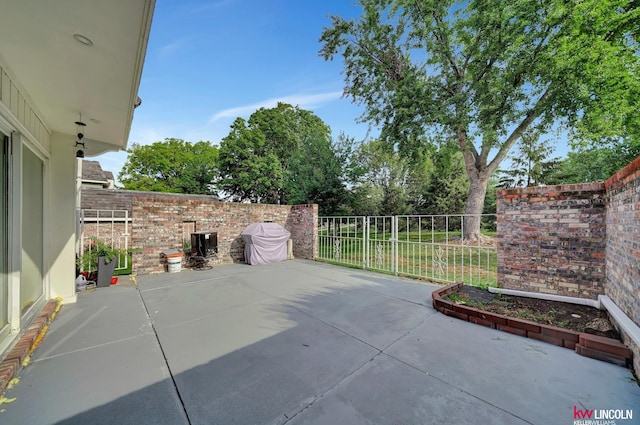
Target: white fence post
{"points": [[365, 242], [394, 243], [431, 247]]}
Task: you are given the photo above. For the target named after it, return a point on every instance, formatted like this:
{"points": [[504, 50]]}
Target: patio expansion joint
{"points": [[92, 347], [164, 357], [427, 305], [462, 390], [338, 384], [331, 325], [378, 353], [429, 375], [190, 283]]}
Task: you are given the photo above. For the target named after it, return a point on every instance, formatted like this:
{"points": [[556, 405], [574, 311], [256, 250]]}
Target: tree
{"points": [[593, 164], [529, 164], [383, 182], [171, 166], [248, 171], [281, 155], [448, 186], [314, 177], [484, 72], [386, 175]]}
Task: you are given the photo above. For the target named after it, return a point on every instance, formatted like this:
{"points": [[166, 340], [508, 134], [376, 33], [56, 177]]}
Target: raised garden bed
{"points": [[450, 301]]}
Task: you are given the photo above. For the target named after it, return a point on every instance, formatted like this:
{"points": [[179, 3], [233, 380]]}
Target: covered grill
{"points": [[265, 243]]}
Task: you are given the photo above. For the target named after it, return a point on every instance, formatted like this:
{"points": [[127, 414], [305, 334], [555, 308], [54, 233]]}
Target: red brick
{"points": [[599, 355], [495, 318], [30, 335], [439, 302], [545, 338], [524, 324], [9, 368], [461, 316], [469, 311], [606, 345], [38, 323], [455, 314], [479, 321], [515, 331], [565, 334], [49, 308], [20, 351]]}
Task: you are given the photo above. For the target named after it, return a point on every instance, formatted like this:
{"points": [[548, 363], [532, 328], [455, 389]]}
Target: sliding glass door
{"points": [[4, 227], [31, 279]]}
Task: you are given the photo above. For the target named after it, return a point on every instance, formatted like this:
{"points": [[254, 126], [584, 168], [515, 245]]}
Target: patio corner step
{"points": [[18, 356]]}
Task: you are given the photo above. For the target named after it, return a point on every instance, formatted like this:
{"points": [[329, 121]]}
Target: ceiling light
{"points": [[83, 39]]}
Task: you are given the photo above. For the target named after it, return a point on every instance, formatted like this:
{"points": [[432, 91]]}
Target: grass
{"points": [[425, 255], [123, 271]]}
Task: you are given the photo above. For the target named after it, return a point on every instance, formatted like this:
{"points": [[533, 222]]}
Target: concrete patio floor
{"points": [[297, 342]]}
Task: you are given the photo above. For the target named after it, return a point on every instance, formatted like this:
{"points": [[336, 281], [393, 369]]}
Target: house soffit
{"points": [[64, 78]]}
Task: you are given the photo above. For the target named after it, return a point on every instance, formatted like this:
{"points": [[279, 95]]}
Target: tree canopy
{"points": [[530, 163], [173, 165], [281, 155], [482, 73], [594, 163]]}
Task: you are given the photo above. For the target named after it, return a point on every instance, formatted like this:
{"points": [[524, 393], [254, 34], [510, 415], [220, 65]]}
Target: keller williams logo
{"points": [[600, 416]]}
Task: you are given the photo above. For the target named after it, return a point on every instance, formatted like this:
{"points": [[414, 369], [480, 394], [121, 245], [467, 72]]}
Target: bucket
{"points": [[174, 264], [81, 283]]}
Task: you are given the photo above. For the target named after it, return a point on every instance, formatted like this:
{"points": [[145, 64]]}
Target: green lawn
{"points": [[436, 256]]}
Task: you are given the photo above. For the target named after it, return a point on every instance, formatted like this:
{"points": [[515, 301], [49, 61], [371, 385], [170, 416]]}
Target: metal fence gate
{"points": [[428, 247], [109, 226]]}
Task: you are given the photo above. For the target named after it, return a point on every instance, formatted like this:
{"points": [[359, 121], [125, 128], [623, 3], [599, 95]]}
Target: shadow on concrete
{"points": [[364, 353]]}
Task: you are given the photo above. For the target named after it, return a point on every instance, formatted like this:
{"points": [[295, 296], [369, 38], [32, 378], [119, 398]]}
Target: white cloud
{"points": [[304, 101], [174, 46]]}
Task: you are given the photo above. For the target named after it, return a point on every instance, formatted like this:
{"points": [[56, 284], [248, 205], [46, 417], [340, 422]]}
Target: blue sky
{"points": [[211, 61]]}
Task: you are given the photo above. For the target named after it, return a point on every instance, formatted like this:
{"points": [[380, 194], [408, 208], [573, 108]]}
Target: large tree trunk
{"points": [[475, 204]]}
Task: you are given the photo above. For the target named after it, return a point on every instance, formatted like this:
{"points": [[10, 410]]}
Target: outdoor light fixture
{"points": [[79, 143]]}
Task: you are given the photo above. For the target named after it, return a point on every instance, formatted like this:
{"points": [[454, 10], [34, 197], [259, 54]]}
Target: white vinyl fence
{"points": [[427, 247]]}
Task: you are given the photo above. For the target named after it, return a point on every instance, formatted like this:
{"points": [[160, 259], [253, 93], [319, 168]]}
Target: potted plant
{"points": [[101, 257]]}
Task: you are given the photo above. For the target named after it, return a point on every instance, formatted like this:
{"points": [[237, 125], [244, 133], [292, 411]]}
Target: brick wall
{"points": [[116, 199], [159, 221], [106, 199], [577, 240], [623, 245], [552, 239], [302, 223], [623, 240]]}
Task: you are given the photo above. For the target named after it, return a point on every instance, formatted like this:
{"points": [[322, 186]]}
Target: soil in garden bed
{"points": [[580, 318]]}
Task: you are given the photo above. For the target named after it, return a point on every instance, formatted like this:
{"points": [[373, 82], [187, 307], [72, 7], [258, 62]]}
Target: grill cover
{"points": [[265, 243]]}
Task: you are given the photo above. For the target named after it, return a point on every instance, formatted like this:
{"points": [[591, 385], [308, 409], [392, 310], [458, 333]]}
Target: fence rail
{"points": [[110, 226], [428, 247]]}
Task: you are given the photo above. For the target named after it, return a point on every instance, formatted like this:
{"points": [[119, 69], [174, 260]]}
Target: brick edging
{"points": [[597, 347], [17, 358]]}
